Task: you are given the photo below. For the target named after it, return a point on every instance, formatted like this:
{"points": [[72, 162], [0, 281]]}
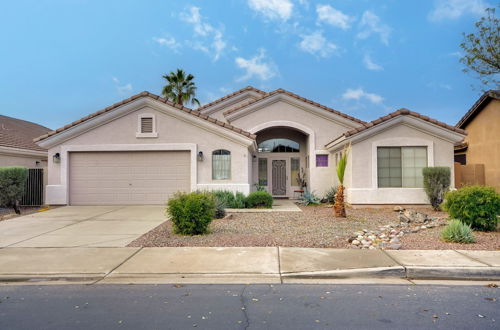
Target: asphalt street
{"points": [[286, 306]]}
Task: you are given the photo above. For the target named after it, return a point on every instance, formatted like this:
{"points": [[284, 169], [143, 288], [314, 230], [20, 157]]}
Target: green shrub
{"points": [[457, 232], [259, 199], [220, 207], [330, 195], [230, 199], [191, 213], [436, 184], [12, 183], [239, 201], [476, 206], [309, 197]]}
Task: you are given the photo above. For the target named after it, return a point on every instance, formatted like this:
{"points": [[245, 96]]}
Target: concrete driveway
{"points": [[81, 226]]}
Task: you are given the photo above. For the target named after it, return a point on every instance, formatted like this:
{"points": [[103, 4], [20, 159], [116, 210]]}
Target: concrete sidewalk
{"points": [[240, 265]]}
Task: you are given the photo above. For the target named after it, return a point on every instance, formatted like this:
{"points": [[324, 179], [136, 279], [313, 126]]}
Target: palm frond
{"points": [[342, 164]]}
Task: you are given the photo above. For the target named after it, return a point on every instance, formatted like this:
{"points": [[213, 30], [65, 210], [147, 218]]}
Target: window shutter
{"points": [[146, 125]]}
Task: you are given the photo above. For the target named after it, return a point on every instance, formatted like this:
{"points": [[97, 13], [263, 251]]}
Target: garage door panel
{"points": [[128, 177]]}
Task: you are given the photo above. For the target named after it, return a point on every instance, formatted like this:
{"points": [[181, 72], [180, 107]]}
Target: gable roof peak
{"points": [[155, 97], [228, 96], [296, 96], [479, 105]]}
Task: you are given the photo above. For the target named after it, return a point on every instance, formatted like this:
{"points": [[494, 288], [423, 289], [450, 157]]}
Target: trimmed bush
{"points": [[458, 232], [191, 213], [436, 184], [259, 199], [12, 183], [476, 206]]}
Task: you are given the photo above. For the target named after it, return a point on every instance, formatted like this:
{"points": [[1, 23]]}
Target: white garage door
{"points": [[132, 177]]}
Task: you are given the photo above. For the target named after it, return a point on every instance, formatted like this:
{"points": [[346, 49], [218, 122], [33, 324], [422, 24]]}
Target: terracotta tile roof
{"points": [[17, 133], [282, 91], [155, 97], [400, 112], [478, 106], [243, 90]]}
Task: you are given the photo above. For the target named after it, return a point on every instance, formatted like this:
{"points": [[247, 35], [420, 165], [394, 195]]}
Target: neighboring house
{"points": [[16, 143], [482, 144], [143, 149]]}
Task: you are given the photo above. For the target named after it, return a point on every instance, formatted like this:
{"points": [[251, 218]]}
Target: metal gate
{"points": [[33, 193]]}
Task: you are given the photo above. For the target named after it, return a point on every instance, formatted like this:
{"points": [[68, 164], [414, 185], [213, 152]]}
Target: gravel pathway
{"points": [[314, 227]]}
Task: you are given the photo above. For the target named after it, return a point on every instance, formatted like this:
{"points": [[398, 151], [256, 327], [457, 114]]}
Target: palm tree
{"points": [[180, 88], [339, 206]]}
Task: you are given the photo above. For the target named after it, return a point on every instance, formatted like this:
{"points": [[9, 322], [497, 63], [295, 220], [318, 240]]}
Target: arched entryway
{"points": [[281, 160]]}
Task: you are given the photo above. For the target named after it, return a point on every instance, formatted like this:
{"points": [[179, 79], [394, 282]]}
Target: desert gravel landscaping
{"points": [[314, 227]]}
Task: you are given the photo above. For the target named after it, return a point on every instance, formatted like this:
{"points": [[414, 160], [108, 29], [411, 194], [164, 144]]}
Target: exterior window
{"points": [[279, 145], [263, 171], [401, 167], [221, 164], [294, 171], [321, 160]]}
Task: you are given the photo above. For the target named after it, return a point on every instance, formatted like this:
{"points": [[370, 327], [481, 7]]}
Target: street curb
{"points": [[453, 273], [376, 272]]}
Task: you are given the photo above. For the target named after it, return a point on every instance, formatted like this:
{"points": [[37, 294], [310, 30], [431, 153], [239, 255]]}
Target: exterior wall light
{"points": [[56, 158], [200, 156]]}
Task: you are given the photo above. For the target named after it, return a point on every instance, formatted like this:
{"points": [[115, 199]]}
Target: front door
{"points": [[279, 177]]}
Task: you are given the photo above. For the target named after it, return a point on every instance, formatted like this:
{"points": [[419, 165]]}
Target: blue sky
{"points": [[61, 60]]}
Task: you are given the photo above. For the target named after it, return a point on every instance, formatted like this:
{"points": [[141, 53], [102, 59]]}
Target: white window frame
{"points": [[139, 134], [399, 142]]}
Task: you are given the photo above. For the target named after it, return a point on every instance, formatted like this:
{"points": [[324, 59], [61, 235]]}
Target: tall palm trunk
{"points": [[339, 207]]}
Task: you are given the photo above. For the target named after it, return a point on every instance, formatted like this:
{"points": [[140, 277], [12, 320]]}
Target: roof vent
{"points": [[147, 125]]}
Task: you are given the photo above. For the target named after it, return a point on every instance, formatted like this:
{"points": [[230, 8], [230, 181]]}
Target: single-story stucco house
{"points": [[16, 143], [143, 149]]}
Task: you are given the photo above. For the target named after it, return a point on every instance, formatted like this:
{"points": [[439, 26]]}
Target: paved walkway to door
{"points": [[81, 226]]}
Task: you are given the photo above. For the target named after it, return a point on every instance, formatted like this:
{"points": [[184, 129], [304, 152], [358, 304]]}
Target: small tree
{"points": [[482, 49], [339, 206], [12, 182], [436, 184]]}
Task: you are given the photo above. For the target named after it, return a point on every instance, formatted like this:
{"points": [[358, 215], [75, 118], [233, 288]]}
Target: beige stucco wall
{"points": [[25, 161], [171, 130], [324, 129], [484, 142], [362, 169]]}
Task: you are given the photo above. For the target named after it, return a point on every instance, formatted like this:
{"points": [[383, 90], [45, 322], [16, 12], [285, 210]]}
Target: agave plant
{"points": [[339, 206]]}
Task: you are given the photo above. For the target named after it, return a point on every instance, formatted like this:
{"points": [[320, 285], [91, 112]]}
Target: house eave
{"points": [[137, 104]]}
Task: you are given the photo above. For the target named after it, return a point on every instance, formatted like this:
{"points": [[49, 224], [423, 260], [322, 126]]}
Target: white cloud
{"points": [[370, 65], [273, 9], [454, 9], [332, 16], [169, 42], [122, 89], [316, 44], [370, 24], [358, 94], [210, 39], [256, 67]]}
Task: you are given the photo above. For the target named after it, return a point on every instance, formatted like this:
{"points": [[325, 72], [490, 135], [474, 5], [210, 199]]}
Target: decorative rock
{"points": [[395, 240], [355, 242], [395, 246], [398, 209]]}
